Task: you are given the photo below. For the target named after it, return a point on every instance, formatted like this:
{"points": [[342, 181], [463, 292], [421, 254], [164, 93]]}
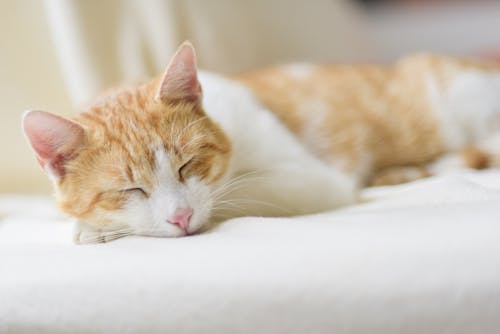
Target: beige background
{"points": [[29, 78]]}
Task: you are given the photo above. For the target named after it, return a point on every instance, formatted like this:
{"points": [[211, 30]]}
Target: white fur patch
{"points": [[447, 164], [316, 111], [468, 109], [170, 194], [283, 176], [299, 71]]}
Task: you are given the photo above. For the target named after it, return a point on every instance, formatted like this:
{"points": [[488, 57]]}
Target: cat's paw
{"points": [[84, 234]]}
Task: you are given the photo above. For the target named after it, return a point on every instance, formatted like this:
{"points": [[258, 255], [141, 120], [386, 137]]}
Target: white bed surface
{"points": [[417, 258]]}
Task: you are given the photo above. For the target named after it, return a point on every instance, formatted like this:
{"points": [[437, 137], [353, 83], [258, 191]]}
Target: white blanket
{"points": [[416, 258]]}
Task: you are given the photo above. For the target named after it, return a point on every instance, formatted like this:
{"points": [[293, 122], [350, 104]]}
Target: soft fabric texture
{"points": [[416, 258]]}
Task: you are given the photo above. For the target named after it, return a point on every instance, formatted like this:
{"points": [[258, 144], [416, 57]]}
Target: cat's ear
{"points": [[180, 80], [53, 138]]}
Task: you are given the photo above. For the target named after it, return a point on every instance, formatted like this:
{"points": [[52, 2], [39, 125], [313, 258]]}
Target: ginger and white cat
{"points": [[163, 159]]}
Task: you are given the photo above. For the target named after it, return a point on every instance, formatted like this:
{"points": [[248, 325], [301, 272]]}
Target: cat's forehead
{"points": [[132, 130], [133, 114]]}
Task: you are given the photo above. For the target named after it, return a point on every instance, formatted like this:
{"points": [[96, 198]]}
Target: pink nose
{"points": [[181, 217]]}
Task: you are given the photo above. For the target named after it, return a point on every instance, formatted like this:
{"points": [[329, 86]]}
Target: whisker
{"points": [[108, 236], [234, 186], [240, 178], [245, 203]]}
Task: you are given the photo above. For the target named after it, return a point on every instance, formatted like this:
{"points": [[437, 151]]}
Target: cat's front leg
{"points": [[84, 234]]}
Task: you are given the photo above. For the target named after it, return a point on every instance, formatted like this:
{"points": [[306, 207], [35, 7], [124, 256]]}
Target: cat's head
{"points": [[144, 160]]}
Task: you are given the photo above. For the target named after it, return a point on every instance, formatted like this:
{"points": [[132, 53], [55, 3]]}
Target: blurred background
{"points": [[57, 54]]}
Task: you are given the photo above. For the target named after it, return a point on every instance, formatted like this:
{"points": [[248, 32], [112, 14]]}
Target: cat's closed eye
{"points": [[184, 169], [137, 190]]}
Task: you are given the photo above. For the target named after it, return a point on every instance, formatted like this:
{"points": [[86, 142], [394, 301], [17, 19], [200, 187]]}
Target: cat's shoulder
{"points": [[224, 93]]}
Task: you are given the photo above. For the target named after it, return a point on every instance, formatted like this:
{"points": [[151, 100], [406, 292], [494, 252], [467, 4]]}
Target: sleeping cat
{"points": [[163, 159]]}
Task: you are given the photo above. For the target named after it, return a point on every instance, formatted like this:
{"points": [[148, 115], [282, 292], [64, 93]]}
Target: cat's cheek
{"points": [[135, 213]]}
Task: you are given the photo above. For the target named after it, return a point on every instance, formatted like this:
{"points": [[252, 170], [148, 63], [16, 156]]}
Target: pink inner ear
{"points": [[180, 81], [53, 139]]}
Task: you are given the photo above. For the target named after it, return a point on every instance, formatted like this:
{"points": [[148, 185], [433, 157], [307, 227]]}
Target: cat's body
{"points": [[367, 120], [158, 159]]}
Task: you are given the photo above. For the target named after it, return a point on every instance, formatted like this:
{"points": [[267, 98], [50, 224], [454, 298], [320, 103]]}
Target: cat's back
{"points": [[359, 116]]}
